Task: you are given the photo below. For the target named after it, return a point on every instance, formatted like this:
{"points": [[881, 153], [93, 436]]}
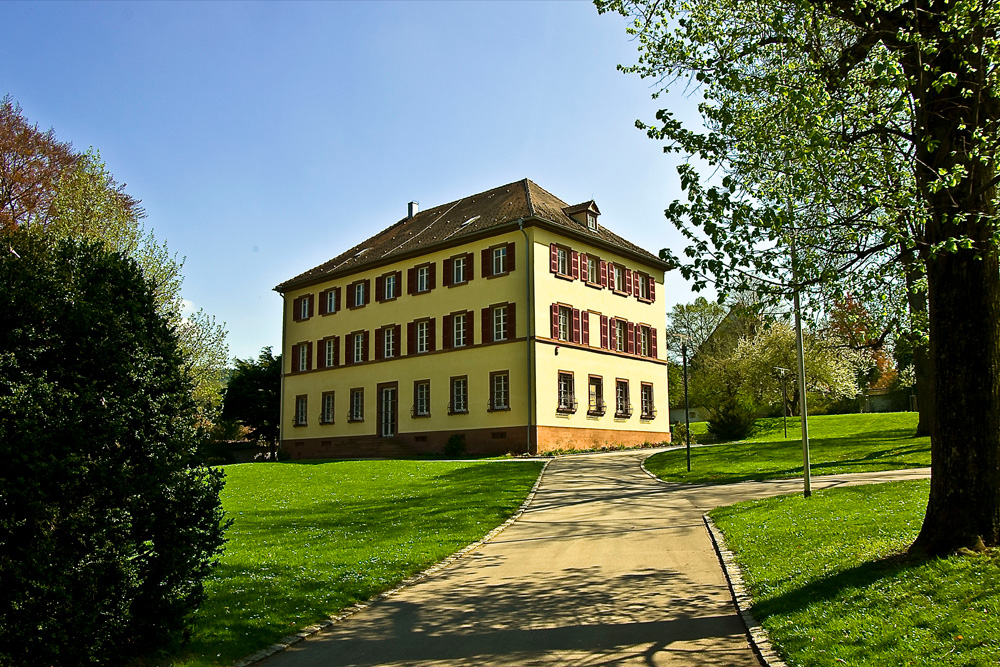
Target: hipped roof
{"points": [[464, 220]]}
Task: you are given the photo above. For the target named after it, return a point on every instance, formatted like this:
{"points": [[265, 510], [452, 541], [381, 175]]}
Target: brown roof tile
{"points": [[521, 200]]}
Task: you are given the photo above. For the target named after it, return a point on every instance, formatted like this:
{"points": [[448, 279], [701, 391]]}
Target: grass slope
{"points": [[312, 538], [831, 586], [837, 444]]}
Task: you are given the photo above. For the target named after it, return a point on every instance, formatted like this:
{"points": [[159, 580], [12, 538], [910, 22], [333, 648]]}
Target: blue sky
{"points": [[264, 138]]}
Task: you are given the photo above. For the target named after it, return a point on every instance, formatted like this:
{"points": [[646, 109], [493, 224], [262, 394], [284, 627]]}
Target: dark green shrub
{"points": [[455, 445], [733, 419], [108, 526]]}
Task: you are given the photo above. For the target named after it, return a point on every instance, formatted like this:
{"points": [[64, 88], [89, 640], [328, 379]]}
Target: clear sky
{"points": [[264, 138]]}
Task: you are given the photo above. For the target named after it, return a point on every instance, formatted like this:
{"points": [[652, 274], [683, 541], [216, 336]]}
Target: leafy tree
{"points": [[109, 526], [44, 184], [695, 322], [858, 141], [253, 395]]}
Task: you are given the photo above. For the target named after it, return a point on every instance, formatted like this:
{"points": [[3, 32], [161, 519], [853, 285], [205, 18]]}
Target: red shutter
{"points": [[448, 268], [470, 319], [431, 337], [612, 333], [470, 268], [368, 290], [380, 289], [364, 345], [379, 344], [553, 258], [554, 320], [447, 332], [604, 273], [511, 261], [295, 359], [604, 330], [296, 309], [348, 350], [487, 264], [631, 338], [336, 350], [309, 356], [336, 298], [351, 291], [432, 276], [628, 281], [411, 338], [576, 265], [320, 354], [411, 281], [321, 306], [585, 327], [487, 325], [652, 287], [310, 298], [583, 266], [395, 339], [511, 320], [576, 325]]}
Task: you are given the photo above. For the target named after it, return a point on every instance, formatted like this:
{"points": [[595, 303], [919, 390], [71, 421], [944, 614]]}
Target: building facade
{"points": [[508, 319]]}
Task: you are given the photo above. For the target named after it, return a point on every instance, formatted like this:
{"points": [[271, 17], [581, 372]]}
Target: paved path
{"points": [[606, 567]]}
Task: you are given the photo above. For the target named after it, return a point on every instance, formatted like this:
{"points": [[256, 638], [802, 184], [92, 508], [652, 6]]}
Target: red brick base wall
{"points": [[478, 442]]}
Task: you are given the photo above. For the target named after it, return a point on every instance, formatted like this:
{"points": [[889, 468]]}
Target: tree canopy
{"points": [[852, 143], [253, 395]]}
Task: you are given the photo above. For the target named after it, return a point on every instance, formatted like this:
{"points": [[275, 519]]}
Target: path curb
{"points": [[285, 642], [759, 641]]}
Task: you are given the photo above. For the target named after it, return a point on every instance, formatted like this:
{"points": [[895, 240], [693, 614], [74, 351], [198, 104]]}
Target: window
{"points": [[567, 395], [500, 323], [593, 270], [357, 410], [326, 416], [458, 270], [422, 398], [330, 352], [646, 401], [645, 341], [623, 408], [389, 342], [422, 331], [304, 357], [330, 300], [619, 278], [643, 283], [595, 402], [591, 221], [458, 330], [358, 347], [459, 395], [499, 391], [621, 335], [304, 307], [565, 324], [423, 279], [562, 261], [357, 294], [420, 279], [301, 410], [499, 260]]}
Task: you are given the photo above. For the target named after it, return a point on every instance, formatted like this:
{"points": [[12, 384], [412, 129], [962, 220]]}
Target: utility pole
{"points": [[803, 408]]}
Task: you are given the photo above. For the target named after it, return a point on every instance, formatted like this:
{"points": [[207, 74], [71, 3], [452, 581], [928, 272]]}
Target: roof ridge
{"points": [[527, 193]]}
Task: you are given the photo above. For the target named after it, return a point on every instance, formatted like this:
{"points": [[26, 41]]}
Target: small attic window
{"points": [[470, 220], [591, 221]]}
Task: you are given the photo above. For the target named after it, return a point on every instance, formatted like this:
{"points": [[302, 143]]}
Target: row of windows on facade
{"points": [[421, 279], [499, 383], [596, 272], [498, 325], [573, 326]]}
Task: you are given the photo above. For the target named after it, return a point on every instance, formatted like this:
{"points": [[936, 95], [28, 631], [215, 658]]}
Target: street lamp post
{"points": [[687, 407]]}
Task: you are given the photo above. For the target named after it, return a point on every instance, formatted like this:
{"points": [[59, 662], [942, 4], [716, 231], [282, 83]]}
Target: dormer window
{"points": [[591, 221], [585, 214]]}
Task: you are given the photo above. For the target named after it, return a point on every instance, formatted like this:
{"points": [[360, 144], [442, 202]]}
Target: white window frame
{"points": [[389, 342], [458, 270], [622, 403], [460, 395], [301, 410], [595, 395], [422, 337], [304, 308], [423, 278], [643, 286], [331, 301], [422, 398], [566, 391], [359, 294], [562, 261], [329, 351], [359, 347], [328, 408], [646, 400], [500, 260], [499, 323], [621, 336], [357, 405], [645, 341], [390, 286], [591, 221], [303, 358], [458, 330], [565, 323], [593, 270], [500, 391], [619, 278]]}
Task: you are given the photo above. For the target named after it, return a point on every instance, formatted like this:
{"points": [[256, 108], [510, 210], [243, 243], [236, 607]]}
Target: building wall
{"points": [[477, 361]]}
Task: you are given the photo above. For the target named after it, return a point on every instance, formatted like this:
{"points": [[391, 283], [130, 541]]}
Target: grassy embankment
{"points": [[310, 539]]}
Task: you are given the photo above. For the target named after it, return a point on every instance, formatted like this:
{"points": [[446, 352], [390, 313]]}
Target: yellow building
{"points": [[508, 318]]}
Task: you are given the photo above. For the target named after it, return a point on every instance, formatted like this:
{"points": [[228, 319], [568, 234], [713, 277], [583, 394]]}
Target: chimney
{"points": [[412, 209]]}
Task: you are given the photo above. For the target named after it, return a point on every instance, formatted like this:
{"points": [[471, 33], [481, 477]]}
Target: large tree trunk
{"points": [[963, 286]]}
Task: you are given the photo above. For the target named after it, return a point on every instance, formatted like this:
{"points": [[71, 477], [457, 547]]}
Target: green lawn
{"points": [[837, 444], [312, 538], [831, 586]]}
